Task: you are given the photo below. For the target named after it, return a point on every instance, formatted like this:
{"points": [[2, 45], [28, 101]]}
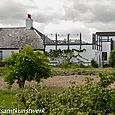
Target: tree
{"points": [[66, 55], [78, 56], [26, 65], [112, 58], [53, 54]]}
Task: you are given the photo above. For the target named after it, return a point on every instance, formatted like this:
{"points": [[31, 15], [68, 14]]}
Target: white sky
{"points": [[61, 16]]}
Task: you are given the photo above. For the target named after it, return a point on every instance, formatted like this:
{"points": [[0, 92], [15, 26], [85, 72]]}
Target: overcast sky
{"points": [[61, 16]]}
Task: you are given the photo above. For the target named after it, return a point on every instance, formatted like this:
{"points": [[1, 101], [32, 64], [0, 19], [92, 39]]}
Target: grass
{"points": [[56, 71], [8, 97], [54, 90]]}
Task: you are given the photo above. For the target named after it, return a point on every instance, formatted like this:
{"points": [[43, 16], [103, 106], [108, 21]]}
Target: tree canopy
{"points": [[26, 65]]}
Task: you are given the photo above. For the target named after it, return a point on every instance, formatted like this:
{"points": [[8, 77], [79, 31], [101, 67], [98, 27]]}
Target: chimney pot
{"points": [[29, 16]]}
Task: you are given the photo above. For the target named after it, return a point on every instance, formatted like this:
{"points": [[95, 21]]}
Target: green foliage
{"points": [[69, 69], [112, 58], [71, 65], [26, 65], [106, 79], [54, 54], [94, 63], [89, 99], [7, 98], [2, 63], [65, 55]]}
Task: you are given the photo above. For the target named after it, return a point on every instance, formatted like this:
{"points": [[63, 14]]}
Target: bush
{"points": [[112, 58], [2, 63], [89, 99], [66, 65], [72, 65], [106, 79], [94, 63]]}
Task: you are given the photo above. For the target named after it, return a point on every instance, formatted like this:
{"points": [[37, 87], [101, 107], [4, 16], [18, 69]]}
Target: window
{"points": [[104, 55]]}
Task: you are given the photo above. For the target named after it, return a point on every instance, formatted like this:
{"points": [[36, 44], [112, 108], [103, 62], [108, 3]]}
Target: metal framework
{"points": [[67, 43], [97, 39]]}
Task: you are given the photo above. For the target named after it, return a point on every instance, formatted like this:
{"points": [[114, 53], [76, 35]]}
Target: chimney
{"points": [[29, 22]]}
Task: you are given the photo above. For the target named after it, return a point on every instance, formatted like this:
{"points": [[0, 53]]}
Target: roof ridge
{"points": [[40, 33], [13, 28]]}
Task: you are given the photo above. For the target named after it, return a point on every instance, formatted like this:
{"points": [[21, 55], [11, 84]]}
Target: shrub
{"points": [[106, 79], [72, 65], [89, 99], [66, 65], [2, 64], [112, 58], [94, 63]]}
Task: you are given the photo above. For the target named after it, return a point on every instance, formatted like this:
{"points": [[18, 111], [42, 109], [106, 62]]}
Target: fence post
{"points": [[56, 40], [44, 41], [80, 40], [68, 35]]}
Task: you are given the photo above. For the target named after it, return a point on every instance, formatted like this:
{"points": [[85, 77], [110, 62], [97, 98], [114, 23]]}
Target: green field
{"points": [[7, 96], [88, 99]]}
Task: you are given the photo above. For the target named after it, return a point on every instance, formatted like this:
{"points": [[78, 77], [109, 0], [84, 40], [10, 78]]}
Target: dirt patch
{"points": [[3, 84], [66, 81], [57, 81]]}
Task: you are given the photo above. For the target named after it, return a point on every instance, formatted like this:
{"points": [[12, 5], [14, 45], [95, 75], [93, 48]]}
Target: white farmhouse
{"points": [[11, 39]]}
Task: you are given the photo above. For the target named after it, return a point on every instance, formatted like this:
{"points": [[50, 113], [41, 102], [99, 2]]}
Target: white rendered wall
{"points": [[7, 53], [89, 54], [98, 57], [106, 47]]}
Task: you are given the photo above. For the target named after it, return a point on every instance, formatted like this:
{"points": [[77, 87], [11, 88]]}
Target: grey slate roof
{"points": [[47, 39], [11, 38]]}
